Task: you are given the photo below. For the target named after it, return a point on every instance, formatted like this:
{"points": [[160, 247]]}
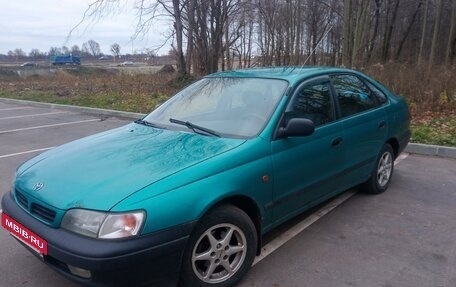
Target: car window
{"points": [[353, 95], [233, 107], [379, 95], [313, 102]]}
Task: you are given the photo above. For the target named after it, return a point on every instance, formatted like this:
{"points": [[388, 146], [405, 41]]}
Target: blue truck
{"points": [[65, 60]]}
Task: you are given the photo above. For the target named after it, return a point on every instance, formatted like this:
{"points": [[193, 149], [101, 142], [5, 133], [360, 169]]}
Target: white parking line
{"points": [[299, 227], [16, 108], [25, 152], [33, 115], [401, 157], [47, 126]]}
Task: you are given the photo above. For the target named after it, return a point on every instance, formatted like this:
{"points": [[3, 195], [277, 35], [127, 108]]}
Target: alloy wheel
{"points": [[384, 169], [219, 253]]}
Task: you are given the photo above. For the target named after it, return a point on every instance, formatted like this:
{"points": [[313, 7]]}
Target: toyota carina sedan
{"points": [[184, 195]]}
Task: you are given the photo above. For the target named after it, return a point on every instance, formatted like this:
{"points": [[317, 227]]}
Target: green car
{"points": [[184, 195]]}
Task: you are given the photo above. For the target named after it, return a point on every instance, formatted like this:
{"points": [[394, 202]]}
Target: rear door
{"points": [[365, 125], [306, 168]]}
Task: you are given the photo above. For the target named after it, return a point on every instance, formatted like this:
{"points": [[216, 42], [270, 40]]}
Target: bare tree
{"points": [[207, 35], [75, 50], [53, 51], [115, 50], [65, 50], [92, 48], [34, 53], [19, 54]]}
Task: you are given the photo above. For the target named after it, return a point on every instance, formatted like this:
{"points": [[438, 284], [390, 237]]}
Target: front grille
{"points": [[37, 210], [22, 199], [42, 212]]}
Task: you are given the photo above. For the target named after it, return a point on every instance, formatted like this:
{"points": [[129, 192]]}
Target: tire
{"points": [[382, 172], [216, 251]]}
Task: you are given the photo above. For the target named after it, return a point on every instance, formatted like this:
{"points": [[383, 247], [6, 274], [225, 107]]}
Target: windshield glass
{"points": [[231, 107]]}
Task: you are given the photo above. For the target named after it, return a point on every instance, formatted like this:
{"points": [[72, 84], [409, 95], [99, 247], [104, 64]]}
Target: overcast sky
{"points": [[40, 24]]}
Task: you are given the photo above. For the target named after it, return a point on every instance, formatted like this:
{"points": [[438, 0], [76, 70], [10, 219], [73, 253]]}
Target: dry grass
{"points": [[96, 88], [426, 89], [431, 95]]}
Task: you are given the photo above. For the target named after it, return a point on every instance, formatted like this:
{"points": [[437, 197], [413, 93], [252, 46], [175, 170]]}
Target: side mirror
{"points": [[297, 128]]}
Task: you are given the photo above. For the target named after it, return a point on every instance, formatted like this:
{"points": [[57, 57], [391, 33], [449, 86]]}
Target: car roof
{"points": [[291, 74]]}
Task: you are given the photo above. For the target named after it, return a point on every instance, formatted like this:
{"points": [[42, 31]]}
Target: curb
{"points": [[415, 148], [434, 150], [84, 110]]}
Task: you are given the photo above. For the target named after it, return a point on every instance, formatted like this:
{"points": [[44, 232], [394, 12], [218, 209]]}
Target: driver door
{"points": [[306, 168]]}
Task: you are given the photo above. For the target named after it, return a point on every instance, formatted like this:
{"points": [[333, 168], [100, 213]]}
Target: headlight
{"points": [[103, 225], [121, 225]]}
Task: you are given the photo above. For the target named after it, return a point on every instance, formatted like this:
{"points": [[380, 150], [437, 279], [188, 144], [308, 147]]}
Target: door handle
{"points": [[337, 141], [381, 124]]}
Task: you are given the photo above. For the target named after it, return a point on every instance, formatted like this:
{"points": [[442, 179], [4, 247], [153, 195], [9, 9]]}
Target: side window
{"points": [[312, 102], [353, 95], [379, 95]]}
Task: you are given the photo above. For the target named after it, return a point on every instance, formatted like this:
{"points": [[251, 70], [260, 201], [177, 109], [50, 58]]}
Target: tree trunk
{"points": [[361, 26], [190, 32], [297, 50], [409, 28], [227, 49], [389, 33], [346, 35], [375, 32], [423, 32], [451, 35], [179, 32], [435, 34]]}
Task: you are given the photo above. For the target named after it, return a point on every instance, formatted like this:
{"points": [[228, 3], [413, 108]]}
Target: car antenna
{"points": [[315, 48]]}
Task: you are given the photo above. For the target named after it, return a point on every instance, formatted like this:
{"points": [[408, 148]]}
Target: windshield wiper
{"points": [[194, 127], [146, 123]]}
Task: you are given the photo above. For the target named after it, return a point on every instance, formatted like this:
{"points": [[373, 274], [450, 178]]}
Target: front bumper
{"points": [[152, 259]]}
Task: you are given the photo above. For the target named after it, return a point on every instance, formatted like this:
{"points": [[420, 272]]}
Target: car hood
{"points": [[99, 171]]}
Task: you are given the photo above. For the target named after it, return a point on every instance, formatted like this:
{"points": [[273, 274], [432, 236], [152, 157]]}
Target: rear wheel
{"points": [[382, 172], [220, 250]]}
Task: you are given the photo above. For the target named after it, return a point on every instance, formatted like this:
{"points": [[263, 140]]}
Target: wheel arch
{"points": [[249, 206], [394, 143]]}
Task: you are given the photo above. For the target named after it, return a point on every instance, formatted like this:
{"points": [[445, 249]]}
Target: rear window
{"points": [[353, 95]]}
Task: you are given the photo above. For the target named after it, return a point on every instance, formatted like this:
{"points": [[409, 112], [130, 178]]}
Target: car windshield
{"points": [[226, 106]]}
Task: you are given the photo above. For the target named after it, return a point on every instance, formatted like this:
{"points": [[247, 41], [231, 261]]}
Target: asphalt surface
{"points": [[404, 237], [24, 129]]}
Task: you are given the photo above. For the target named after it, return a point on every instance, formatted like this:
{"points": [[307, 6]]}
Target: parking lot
{"points": [[404, 237]]}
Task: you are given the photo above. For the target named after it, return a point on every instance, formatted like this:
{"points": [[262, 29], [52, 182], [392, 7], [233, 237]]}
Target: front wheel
{"points": [[382, 172], [220, 250]]}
